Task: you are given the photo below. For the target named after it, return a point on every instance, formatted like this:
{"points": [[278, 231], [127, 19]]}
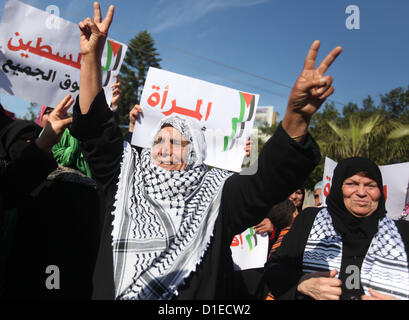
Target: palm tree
{"points": [[397, 142], [377, 138], [401, 130], [354, 140]]}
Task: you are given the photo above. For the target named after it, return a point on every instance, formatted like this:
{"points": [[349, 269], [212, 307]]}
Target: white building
{"points": [[265, 114]]}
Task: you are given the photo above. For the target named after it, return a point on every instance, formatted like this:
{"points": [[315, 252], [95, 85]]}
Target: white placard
{"points": [[249, 250], [329, 168], [395, 185], [40, 56], [225, 115]]}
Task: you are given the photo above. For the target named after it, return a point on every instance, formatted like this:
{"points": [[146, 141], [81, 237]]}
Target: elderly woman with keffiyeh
{"points": [[347, 250], [169, 222]]}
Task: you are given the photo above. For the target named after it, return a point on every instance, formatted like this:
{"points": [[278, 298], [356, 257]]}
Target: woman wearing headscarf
{"points": [[169, 222], [55, 219], [317, 194], [43, 116], [347, 250], [297, 198], [67, 151], [25, 162]]}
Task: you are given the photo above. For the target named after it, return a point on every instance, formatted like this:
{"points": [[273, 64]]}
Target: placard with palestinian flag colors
{"points": [[40, 56], [225, 115]]}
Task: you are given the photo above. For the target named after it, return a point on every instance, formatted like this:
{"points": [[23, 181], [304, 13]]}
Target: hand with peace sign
{"points": [[94, 31], [310, 91], [93, 36], [57, 122]]}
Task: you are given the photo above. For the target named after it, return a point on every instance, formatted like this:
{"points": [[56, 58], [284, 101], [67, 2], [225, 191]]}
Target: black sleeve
{"points": [[25, 172], [283, 269], [283, 165], [102, 140], [129, 136], [20, 176], [102, 146], [116, 115]]}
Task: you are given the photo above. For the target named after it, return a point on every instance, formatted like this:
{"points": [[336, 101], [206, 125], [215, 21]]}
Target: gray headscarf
{"points": [[190, 129], [163, 219]]}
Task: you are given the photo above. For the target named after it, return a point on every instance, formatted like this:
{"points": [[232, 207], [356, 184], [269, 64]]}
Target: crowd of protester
{"points": [[124, 222]]}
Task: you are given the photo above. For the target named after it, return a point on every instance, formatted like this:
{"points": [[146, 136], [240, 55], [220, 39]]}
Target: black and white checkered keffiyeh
{"points": [[163, 223], [385, 267]]}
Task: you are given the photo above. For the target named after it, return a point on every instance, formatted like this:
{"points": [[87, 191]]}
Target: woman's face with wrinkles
{"points": [[361, 195], [170, 149]]}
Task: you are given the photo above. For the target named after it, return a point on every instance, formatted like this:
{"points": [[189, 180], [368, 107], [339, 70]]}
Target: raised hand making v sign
{"points": [[241, 200], [57, 122], [309, 92], [93, 36]]}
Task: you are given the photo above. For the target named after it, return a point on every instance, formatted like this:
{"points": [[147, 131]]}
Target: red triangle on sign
{"points": [[248, 98], [115, 47]]}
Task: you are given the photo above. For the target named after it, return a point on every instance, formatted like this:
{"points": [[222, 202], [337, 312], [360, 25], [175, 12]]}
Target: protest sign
{"points": [[40, 56], [249, 250], [224, 115], [395, 185], [329, 168]]}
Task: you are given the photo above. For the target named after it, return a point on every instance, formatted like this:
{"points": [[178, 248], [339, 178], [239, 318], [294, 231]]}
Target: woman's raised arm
{"points": [[93, 35]]}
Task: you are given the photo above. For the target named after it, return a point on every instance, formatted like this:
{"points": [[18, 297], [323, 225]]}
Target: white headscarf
{"points": [[163, 219], [191, 131]]}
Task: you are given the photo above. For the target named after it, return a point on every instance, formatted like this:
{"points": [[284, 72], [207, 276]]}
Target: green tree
{"points": [[368, 105], [33, 112], [321, 132], [265, 131], [354, 140], [141, 55], [319, 127], [376, 131], [349, 109], [396, 104], [397, 144], [399, 132], [379, 132]]}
